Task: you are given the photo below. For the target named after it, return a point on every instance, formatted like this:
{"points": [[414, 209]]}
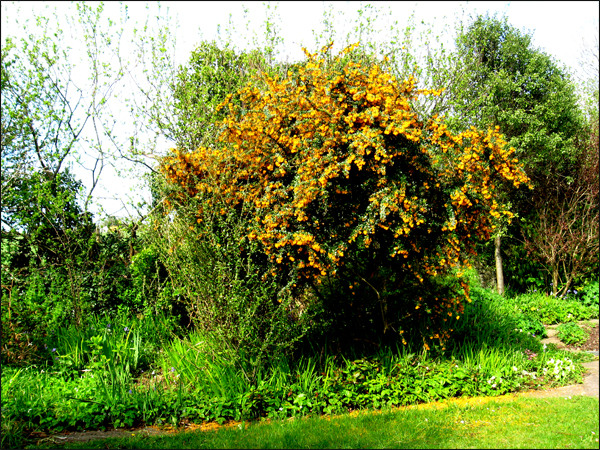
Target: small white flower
{"points": [[494, 385], [515, 369]]}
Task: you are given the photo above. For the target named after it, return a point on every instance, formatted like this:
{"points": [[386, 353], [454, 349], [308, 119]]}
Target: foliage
{"points": [[217, 275], [563, 232], [336, 170], [121, 341], [571, 333], [210, 75], [589, 296], [550, 309], [40, 296], [286, 391], [54, 262], [491, 320], [534, 101], [182, 379], [522, 90], [45, 109], [44, 208], [532, 326]]}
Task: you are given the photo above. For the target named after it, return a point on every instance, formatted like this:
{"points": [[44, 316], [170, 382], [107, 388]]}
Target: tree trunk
{"points": [[555, 280], [499, 272]]}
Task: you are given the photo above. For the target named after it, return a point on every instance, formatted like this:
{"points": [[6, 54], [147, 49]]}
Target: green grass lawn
{"points": [[501, 422]]}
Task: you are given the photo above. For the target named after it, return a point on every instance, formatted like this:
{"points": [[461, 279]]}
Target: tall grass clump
{"points": [[103, 341]]}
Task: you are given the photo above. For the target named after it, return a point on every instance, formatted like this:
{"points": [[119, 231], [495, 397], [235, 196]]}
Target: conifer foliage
{"points": [[346, 182]]}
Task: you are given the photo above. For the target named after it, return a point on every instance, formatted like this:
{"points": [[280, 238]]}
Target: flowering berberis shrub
{"points": [[346, 182]]}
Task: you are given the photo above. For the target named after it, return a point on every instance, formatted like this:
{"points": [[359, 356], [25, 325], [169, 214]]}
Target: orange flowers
{"points": [[332, 158]]}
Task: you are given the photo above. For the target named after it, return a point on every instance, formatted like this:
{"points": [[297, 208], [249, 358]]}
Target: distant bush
{"points": [[550, 310]]}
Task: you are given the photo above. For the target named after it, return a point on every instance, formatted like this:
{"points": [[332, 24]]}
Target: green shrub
{"points": [[589, 296], [572, 334], [151, 289], [38, 399], [532, 326], [121, 340], [491, 321], [225, 285]]}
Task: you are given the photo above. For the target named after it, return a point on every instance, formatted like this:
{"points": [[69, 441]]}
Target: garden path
{"points": [[591, 380]]}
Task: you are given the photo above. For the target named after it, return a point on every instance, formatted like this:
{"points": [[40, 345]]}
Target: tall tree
{"points": [[51, 118], [527, 94]]}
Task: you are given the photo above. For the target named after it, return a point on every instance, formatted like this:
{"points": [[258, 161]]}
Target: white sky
{"points": [[558, 28]]}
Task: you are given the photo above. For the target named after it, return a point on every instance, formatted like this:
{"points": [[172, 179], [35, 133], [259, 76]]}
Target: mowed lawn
{"points": [[500, 422]]}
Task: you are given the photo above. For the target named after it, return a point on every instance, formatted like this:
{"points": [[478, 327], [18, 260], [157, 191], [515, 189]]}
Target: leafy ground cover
{"points": [[571, 333], [121, 374]]}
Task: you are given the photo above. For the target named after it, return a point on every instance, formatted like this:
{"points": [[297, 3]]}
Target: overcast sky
{"points": [[558, 28]]}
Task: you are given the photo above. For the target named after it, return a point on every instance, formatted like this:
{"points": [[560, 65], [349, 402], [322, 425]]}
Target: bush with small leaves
{"points": [[346, 182]]}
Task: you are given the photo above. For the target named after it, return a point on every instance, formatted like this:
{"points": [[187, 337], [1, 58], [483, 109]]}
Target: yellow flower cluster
{"points": [[333, 157]]}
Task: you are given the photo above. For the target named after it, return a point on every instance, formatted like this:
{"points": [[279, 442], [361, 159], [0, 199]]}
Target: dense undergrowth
{"points": [[128, 371]]}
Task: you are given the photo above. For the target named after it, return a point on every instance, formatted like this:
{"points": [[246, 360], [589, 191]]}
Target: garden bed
{"points": [[591, 344]]}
